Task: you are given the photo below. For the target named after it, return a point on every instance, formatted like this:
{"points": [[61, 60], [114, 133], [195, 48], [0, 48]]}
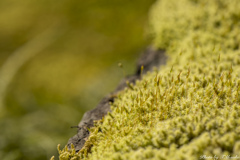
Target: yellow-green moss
{"points": [[191, 107]]}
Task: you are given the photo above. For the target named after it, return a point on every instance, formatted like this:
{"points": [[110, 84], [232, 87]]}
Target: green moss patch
{"points": [[191, 107]]}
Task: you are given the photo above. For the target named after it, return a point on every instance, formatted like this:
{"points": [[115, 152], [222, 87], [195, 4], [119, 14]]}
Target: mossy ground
{"points": [[191, 107]]}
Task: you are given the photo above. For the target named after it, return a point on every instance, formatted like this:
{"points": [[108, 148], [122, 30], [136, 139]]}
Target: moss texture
{"points": [[191, 107]]}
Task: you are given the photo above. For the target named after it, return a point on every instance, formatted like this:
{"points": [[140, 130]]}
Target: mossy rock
{"points": [[188, 109]]}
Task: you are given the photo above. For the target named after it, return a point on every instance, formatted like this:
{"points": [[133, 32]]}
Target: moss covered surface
{"points": [[191, 107]]}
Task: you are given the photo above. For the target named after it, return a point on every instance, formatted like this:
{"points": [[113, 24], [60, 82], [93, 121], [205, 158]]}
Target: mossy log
{"points": [[190, 108]]}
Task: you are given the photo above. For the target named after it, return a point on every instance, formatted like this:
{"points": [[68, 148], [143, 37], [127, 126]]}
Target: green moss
{"points": [[190, 107]]}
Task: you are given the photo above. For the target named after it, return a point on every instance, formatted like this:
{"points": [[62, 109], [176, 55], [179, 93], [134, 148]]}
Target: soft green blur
{"points": [[57, 60]]}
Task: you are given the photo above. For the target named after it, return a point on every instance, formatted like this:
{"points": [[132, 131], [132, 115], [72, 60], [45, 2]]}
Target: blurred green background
{"points": [[57, 60]]}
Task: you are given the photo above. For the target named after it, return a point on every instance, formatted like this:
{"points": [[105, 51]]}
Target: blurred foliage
{"points": [[57, 60]]}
